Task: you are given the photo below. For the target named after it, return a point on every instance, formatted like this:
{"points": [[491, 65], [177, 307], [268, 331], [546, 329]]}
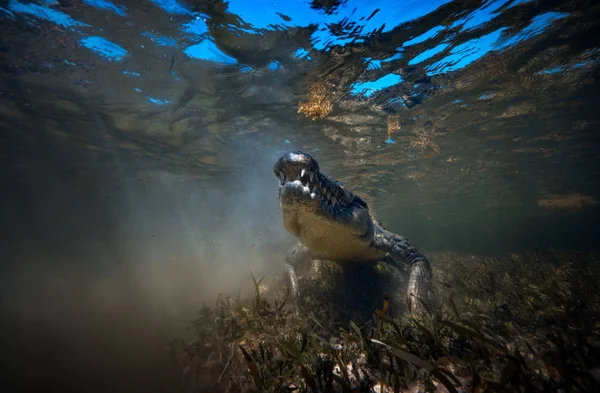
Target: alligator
{"points": [[332, 223]]}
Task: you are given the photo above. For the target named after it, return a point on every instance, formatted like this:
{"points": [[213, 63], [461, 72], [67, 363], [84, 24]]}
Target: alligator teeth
{"points": [[313, 195], [282, 176], [302, 173], [311, 175], [328, 194], [315, 188], [333, 201], [307, 186]]}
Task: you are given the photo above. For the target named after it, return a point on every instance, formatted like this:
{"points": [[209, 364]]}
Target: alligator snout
{"points": [[296, 166], [298, 169]]}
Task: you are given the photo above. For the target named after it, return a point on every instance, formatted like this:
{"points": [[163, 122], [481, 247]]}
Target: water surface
{"points": [[138, 137]]}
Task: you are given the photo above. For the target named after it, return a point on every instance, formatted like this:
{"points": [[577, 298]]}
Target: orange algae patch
{"points": [[393, 125], [319, 104]]}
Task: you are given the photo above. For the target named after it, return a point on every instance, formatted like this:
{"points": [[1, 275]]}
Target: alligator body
{"points": [[332, 223]]}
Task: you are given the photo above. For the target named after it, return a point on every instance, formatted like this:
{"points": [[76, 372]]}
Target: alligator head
{"points": [[323, 214]]}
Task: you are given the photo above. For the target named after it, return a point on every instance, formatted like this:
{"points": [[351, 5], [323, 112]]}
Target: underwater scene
{"points": [[299, 196]]}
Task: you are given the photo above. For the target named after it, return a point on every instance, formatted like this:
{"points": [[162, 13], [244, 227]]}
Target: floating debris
{"points": [[423, 140], [319, 104], [569, 202]]}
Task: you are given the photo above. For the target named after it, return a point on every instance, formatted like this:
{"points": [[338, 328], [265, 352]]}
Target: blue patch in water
{"points": [[267, 17], [239, 30], [157, 101], [470, 51], [104, 48], [517, 2], [428, 54], [8, 12], [376, 64], [481, 15], [456, 101], [551, 71], [137, 89], [397, 100], [373, 64], [172, 7], [302, 53], [174, 75], [197, 26], [369, 88], [274, 65], [583, 64], [67, 62], [246, 68], [389, 141], [465, 53], [425, 36], [401, 12], [132, 73], [107, 5], [160, 41], [536, 27], [303, 15], [397, 56], [207, 50], [322, 40], [45, 13], [485, 96]]}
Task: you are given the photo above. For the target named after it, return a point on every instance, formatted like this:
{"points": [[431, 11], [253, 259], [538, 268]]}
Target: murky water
{"points": [[138, 137]]}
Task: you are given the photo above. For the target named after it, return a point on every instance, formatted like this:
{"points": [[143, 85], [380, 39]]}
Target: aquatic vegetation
{"points": [[423, 140], [319, 103], [393, 125], [512, 324]]}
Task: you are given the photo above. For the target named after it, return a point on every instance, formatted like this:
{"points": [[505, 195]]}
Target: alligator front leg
{"points": [[400, 250], [419, 284], [297, 256]]}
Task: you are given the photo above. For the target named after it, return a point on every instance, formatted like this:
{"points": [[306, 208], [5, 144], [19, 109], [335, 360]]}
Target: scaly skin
{"points": [[331, 223]]}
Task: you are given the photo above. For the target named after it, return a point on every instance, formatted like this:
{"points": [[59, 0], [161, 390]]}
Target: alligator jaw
{"points": [[299, 169], [325, 216]]}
